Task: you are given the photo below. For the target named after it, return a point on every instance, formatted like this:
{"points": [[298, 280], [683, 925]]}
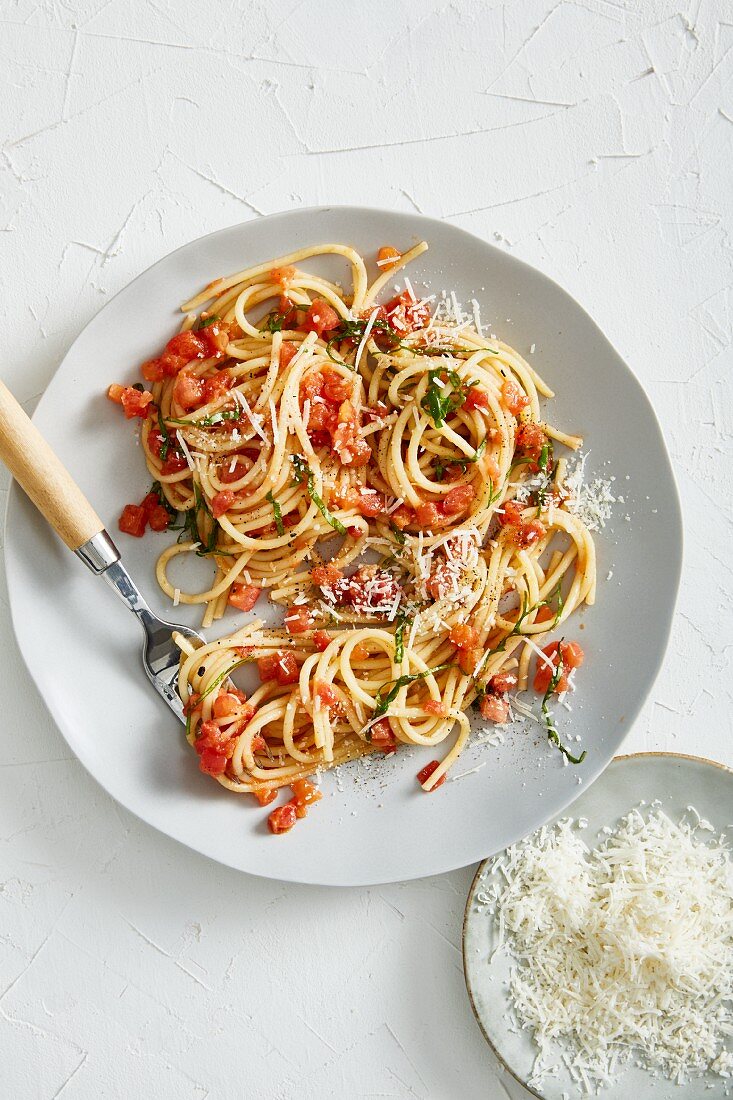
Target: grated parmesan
{"points": [[591, 503], [622, 954]]}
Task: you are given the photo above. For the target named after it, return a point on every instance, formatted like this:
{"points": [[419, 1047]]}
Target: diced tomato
{"points": [[321, 640], [321, 318], [457, 500], [544, 614], [134, 402], [404, 314], [282, 274], [434, 706], [354, 532], [159, 518], [322, 420], [281, 667], [372, 413], [226, 704], [387, 257], [215, 338], [213, 762], [327, 694], [435, 586], [304, 794], [494, 708], [258, 743], [503, 681], [382, 736], [152, 370], [288, 351], [291, 314], [186, 345], [424, 774], [326, 574], [468, 659], [360, 652], [243, 596], [228, 473], [511, 514], [572, 657], [350, 447], [188, 390], [181, 349], [529, 533], [216, 386], [368, 590], [265, 795], [298, 619], [476, 399], [428, 515], [513, 398], [221, 502], [464, 636], [530, 439], [211, 736], [436, 514], [336, 388], [243, 650], [368, 502], [403, 517], [133, 520], [174, 461], [172, 364], [282, 818]]}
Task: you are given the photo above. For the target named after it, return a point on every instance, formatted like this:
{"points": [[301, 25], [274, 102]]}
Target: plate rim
{"points": [[676, 516], [688, 757]]}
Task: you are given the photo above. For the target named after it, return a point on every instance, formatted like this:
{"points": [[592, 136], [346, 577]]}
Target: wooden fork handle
{"points": [[43, 477]]}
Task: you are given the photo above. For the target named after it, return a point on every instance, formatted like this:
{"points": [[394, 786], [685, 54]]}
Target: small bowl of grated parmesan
{"points": [[598, 951]]}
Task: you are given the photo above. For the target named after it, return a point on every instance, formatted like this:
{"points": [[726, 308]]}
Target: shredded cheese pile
{"points": [[622, 953]]}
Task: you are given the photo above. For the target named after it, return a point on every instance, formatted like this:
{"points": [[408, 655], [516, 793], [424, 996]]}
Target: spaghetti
{"points": [[382, 472]]}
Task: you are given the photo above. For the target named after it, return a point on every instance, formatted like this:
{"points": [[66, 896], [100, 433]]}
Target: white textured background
{"points": [[593, 138]]}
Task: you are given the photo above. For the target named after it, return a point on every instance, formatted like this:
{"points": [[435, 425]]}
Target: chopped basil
{"points": [[278, 513], [552, 735], [301, 469], [274, 321], [207, 421], [383, 702], [166, 444], [190, 527], [157, 488], [399, 640], [209, 321], [398, 535], [439, 401], [439, 466]]}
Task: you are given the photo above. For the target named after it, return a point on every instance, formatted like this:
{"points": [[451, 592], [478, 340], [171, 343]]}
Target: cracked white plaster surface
{"points": [[592, 138]]}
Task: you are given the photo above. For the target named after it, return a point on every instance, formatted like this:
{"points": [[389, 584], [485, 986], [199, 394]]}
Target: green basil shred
{"points": [[552, 735], [383, 702], [278, 513], [302, 469]]}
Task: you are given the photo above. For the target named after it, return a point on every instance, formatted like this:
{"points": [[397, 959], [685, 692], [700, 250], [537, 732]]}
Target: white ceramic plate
{"points": [[678, 782], [82, 648]]}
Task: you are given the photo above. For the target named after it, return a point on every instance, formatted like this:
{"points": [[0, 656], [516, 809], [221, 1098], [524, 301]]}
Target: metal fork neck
{"points": [[103, 558]]}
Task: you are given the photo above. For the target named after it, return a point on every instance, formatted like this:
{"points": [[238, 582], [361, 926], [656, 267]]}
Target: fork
{"points": [[61, 502]]}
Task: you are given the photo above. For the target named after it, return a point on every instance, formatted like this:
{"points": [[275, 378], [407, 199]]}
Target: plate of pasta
{"points": [[422, 511]]}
